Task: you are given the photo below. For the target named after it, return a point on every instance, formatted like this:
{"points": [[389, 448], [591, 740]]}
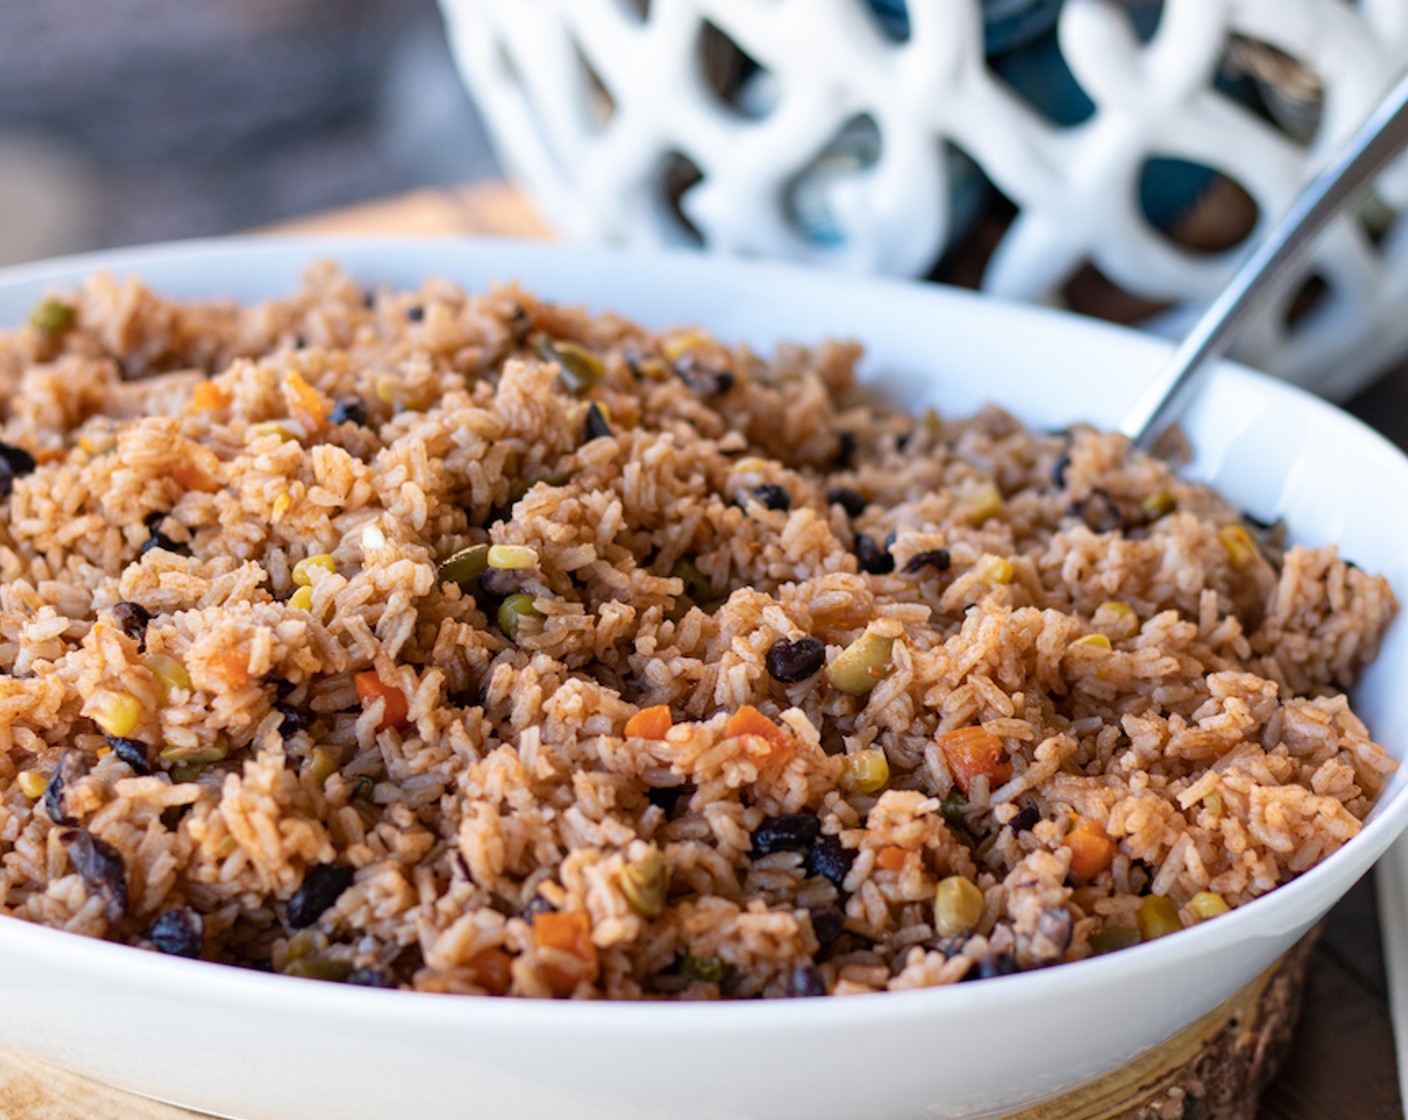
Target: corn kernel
{"points": [[32, 783], [169, 673], [103, 752], [1094, 641], [958, 906], [303, 570], [1157, 504], [1241, 549], [865, 772], [994, 569], [1208, 904], [984, 503], [282, 504], [1117, 608], [1158, 917], [1213, 803], [511, 556], [323, 764], [302, 599], [272, 428], [751, 464], [117, 713], [678, 345]]}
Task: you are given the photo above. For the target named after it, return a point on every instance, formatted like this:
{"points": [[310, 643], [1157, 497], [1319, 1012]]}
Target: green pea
{"points": [[1112, 939], [316, 968], [861, 665], [515, 608], [711, 969], [53, 317]]}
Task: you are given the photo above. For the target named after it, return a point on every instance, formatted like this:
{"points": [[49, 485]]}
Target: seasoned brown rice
{"points": [[767, 669]]}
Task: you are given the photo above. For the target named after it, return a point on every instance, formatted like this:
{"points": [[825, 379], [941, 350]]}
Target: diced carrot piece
{"points": [[208, 396], [569, 931], [191, 476], [306, 405], [749, 721], [971, 751], [492, 970], [650, 723], [1092, 850], [890, 859], [371, 687], [46, 455], [232, 668]]}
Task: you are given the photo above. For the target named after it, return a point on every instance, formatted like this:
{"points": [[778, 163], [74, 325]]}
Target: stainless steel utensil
{"points": [[1346, 178]]}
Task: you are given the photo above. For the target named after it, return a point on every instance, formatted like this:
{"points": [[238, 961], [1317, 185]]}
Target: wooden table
{"points": [[1341, 1062]]}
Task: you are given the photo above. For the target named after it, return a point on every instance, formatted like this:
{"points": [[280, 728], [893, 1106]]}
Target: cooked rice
{"points": [[1211, 742]]}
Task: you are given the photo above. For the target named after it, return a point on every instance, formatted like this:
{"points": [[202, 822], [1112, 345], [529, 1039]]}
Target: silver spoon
{"points": [[1343, 182]]}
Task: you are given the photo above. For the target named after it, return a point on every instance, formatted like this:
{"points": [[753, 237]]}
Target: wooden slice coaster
{"points": [[1214, 1070]]}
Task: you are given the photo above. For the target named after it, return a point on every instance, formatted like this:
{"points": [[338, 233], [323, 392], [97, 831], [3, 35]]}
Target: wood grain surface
{"points": [[1338, 1065]]}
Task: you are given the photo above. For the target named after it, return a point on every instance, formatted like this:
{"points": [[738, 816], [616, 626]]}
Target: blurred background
{"points": [[152, 119]]}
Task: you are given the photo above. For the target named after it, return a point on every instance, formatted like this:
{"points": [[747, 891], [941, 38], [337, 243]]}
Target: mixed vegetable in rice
{"points": [[468, 643]]}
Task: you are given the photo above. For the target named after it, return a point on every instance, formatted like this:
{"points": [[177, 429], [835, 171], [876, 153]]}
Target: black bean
{"points": [[995, 964], [132, 619], [181, 932], [1256, 522], [1099, 512], [349, 410], [322, 886], [871, 558], [791, 661], [154, 519], [773, 496], [69, 769], [804, 981], [849, 500], [704, 380], [830, 859], [845, 450], [131, 751], [537, 905], [500, 583], [415, 313], [828, 923], [368, 300], [596, 426], [14, 462], [667, 797], [1025, 820], [162, 541], [794, 832], [902, 440], [295, 718], [100, 866], [936, 558], [371, 978], [1059, 468]]}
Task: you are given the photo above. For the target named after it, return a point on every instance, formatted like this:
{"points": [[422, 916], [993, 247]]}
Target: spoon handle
{"points": [[1340, 184]]}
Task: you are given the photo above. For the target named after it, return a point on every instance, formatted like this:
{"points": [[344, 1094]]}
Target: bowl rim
{"points": [[1274, 910]]}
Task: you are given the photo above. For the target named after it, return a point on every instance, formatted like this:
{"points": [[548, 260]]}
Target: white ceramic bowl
{"points": [[266, 1047]]}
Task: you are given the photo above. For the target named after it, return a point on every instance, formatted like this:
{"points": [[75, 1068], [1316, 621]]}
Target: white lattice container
{"points": [[840, 145]]}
